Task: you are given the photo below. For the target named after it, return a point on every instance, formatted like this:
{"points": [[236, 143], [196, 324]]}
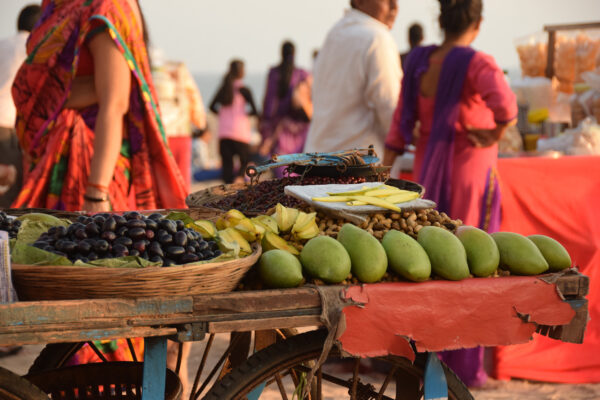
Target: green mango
{"points": [[406, 256], [446, 253], [519, 255], [554, 253], [483, 256], [325, 258], [367, 255], [280, 269]]}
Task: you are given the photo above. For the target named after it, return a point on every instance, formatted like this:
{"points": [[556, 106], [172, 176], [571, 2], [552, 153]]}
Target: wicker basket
{"points": [[46, 282], [100, 381], [196, 213]]}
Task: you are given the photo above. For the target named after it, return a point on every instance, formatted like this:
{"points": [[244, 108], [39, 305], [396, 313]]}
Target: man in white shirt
{"points": [[12, 55], [356, 80]]}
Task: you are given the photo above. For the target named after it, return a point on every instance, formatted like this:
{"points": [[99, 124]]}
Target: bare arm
{"points": [[83, 93], [112, 80]]}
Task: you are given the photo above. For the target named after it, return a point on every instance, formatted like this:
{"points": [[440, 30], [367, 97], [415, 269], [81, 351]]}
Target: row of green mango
{"points": [[455, 257]]}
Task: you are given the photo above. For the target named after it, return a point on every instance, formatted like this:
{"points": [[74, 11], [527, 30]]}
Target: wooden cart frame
{"points": [[191, 318]]}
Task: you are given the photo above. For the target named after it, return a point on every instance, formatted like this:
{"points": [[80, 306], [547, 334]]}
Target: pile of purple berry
{"points": [[9, 225], [104, 235]]}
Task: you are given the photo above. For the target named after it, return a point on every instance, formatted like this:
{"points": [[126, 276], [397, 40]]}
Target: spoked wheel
{"points": [[279, 371], [207, 372]]}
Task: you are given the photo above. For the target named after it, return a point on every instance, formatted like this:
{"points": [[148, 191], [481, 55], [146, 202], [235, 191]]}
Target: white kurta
{"points": [[13, 54], [356, 86]]}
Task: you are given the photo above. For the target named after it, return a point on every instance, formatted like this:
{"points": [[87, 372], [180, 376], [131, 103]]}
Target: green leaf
{"points": [[34, 224], [23, 253]]}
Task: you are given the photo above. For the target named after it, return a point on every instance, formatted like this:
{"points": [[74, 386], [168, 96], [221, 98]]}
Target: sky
{"points": [[207, 34]]}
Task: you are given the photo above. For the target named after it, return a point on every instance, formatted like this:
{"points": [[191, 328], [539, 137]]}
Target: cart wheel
{"points": [[282, 367], [54, 355], [14, 387]]}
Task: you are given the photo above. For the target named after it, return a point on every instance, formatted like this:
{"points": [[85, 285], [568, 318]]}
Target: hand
{"points": [[485, 137], [96, 207], [389, 156], [8, 175]]}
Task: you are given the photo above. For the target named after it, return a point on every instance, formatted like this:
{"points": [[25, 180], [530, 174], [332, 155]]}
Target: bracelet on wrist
{"points": [[102, 188], [95, 199]]}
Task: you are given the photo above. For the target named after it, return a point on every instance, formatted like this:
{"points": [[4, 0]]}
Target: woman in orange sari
{"points": [[87, 118], [88, 121]]}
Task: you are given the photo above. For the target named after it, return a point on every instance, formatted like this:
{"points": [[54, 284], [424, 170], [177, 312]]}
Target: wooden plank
{"points": [[570, 27], [155, 371], [572, 332], [68, 336], [65, 311], [575, 286], [252, 301], [551, 51], [267, 323]]}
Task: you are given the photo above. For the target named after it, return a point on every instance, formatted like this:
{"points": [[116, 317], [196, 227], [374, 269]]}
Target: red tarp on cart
{"points": [[443, 315]]}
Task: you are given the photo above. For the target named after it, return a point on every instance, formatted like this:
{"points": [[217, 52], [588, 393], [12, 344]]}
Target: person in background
{"points": [[464, 105], [105, 144], [88, 121], [206, 168], [287, 106], [12, 55], [181, 109], [356, 80], [415, 38], [233, 102]]}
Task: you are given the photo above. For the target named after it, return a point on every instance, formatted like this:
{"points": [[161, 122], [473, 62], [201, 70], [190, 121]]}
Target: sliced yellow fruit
{"points": [[354, 192], [376, 201], [403, 197], [332, 199], [356, 203]]}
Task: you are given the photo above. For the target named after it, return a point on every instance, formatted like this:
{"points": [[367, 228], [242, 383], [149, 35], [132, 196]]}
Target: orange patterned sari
{"points": [[58, 142]]}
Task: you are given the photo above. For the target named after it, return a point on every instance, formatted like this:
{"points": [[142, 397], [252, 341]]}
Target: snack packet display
{"points": [[533, 54]]}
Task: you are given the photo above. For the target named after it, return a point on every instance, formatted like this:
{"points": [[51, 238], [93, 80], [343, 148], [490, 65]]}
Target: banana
{"points": [[230, 219], [247, 229], [233, 235], [285, 217], [308, 232], [303, 220], [268, 222], [272, 242], [205, 228]]}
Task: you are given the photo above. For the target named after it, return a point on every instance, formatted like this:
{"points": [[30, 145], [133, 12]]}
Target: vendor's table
{"points": [[380, 319], [559, 198]]}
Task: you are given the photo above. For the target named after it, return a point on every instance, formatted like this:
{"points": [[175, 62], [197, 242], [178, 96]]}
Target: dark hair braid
{"points": [[286, 68], [457, 15], [236, 68]]}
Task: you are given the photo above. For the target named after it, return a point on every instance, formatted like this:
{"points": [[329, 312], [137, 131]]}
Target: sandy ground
{"points": [[494, 390]]}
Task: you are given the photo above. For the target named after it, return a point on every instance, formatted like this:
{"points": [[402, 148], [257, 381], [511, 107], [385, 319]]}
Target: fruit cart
{"points": [[392, 322], [391, 327]]}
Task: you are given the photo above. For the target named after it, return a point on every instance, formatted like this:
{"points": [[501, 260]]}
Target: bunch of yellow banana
{"points": [[383, 196], [302, 225]]}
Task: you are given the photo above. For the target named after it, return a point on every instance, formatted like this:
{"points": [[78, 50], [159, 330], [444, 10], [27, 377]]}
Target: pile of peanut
{"points": [[409, 222]]}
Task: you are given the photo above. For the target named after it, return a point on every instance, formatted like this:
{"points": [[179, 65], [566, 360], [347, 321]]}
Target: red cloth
{"points": [[558, 198], [448, 315], [181, 148]]}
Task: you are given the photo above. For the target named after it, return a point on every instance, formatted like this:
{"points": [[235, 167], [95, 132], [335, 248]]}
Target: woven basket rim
{"points": [[256, 247]]}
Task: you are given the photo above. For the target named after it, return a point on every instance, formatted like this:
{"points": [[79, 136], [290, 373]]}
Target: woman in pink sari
{"points": [[464, 105]]}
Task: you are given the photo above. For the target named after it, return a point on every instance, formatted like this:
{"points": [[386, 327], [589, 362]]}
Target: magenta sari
{"points": [[459, 177]]}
